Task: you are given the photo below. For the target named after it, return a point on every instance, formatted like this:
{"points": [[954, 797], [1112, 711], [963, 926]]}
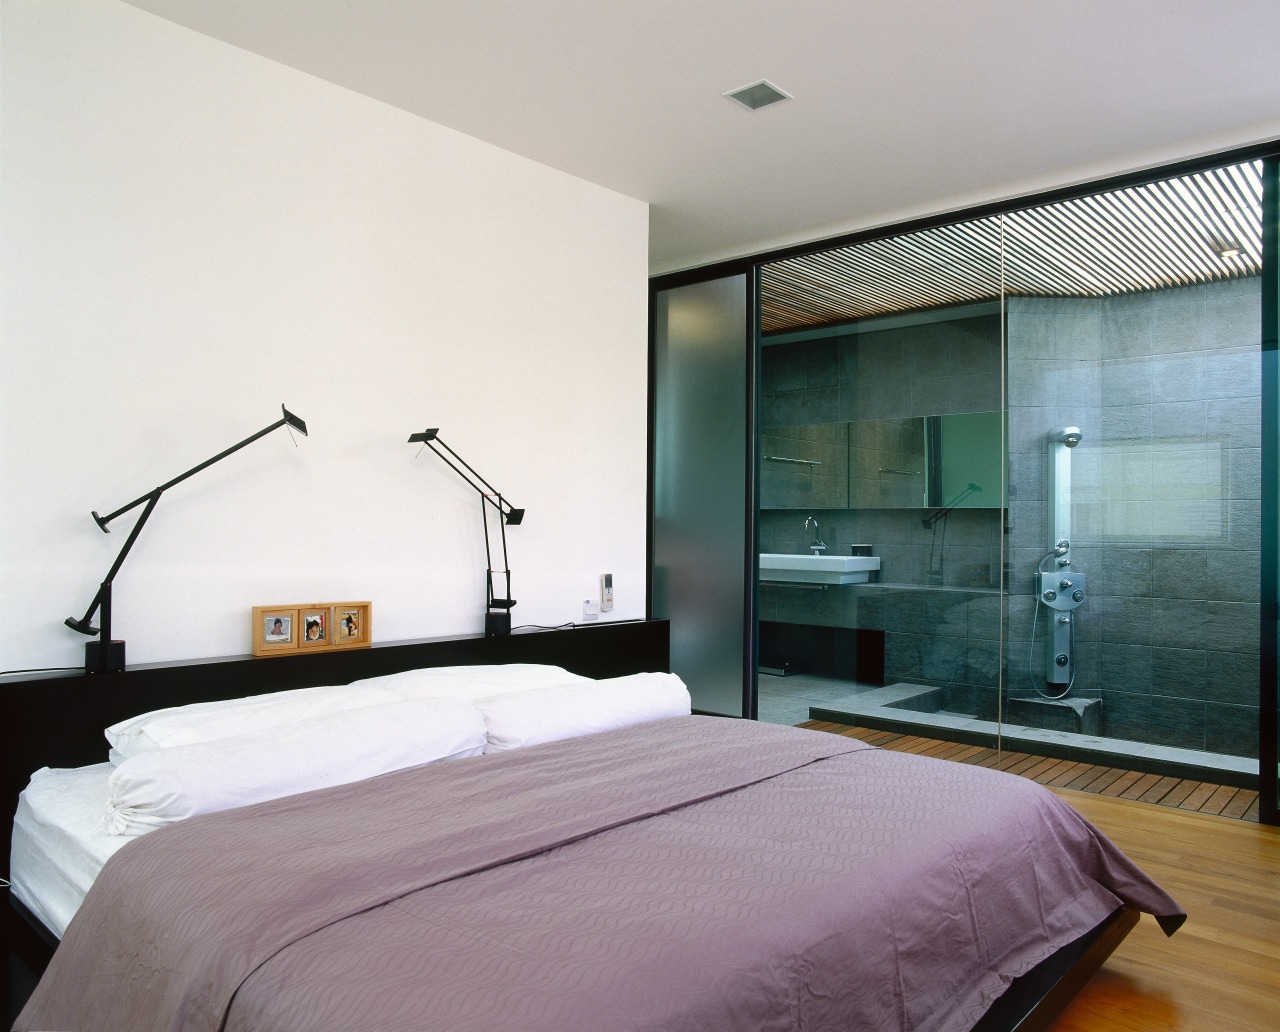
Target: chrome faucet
{"points": [[818, 544]]}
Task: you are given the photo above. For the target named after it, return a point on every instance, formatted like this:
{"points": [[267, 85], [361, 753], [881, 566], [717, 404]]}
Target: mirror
{"points": [[914, 462]]}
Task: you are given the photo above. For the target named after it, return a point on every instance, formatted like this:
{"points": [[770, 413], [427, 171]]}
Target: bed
{"points": [[598, 858]]}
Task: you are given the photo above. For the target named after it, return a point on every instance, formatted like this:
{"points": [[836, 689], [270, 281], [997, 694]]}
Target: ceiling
{"points": [[1177, 232], [901, 108]]}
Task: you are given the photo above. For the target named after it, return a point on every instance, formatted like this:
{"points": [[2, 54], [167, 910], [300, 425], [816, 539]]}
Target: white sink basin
{"points": [[818, 569]]}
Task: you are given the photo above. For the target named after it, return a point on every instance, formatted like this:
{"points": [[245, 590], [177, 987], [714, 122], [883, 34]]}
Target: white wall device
{"points": [[606, 592]]}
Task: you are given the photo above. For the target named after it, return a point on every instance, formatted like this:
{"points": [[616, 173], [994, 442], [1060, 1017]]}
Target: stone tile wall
{"points": [[1165, 386]]}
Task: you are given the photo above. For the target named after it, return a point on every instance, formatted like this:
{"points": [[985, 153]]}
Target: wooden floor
{"points": [[1221, 971], [1200, 796]]}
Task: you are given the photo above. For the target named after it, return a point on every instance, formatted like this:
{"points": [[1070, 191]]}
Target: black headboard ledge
{"points": [[58, 720]]}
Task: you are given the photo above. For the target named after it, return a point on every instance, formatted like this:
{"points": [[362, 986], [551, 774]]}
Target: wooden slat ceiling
{"points": [[1170, 233]]}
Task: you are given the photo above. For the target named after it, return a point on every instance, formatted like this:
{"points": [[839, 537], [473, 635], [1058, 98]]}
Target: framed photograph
{"points": [[281, 630], [275, 630], [316, 626], [351, 625]]}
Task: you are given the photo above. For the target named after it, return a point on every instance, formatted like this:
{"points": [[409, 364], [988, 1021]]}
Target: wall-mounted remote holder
{"points": [[590, 610], [606, 592]]}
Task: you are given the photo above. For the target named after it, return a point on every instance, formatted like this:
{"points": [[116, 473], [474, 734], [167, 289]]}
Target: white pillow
{"points": [[208, 721], [470, 682], [167, 785], [519, 719]]}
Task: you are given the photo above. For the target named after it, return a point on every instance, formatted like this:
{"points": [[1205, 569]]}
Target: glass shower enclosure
{"points": [[1046, 426]]}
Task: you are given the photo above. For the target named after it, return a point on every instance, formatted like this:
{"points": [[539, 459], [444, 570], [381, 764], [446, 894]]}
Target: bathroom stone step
{"points": [[1073, 714]]}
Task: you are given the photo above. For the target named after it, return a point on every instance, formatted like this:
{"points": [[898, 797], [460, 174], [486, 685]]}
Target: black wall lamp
{"points": [[497, 617], [106, 655]]}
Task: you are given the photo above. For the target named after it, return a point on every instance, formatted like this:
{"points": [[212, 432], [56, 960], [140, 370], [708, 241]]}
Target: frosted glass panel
{"points": [[700, 489]]}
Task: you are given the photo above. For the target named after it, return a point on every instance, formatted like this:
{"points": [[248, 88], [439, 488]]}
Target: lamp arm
{"points": [[497, 618], [288, 419], [486, 490], [477, 477], [82, 625]]}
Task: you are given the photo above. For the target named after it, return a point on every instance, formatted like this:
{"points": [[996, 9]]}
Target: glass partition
{"points": [[701, 492], [1047, 428], [882, 457]]}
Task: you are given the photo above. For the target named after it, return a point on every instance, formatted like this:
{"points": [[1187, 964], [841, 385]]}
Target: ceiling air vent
{"points": [[758, 94]]}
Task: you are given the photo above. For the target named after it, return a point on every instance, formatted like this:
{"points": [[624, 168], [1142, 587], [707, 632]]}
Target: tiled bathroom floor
{"points": [[787, 700]]}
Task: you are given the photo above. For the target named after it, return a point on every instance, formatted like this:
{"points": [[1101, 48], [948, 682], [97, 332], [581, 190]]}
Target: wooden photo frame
{"points": [[350, 625], [281, 630], [275, 630], [316, 622]]}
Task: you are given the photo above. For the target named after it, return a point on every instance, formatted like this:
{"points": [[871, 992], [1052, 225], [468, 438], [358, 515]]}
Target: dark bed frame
{"points": [[56, 720]]}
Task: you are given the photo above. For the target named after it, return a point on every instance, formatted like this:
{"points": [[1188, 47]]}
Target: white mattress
{"points": [[59, 841]]}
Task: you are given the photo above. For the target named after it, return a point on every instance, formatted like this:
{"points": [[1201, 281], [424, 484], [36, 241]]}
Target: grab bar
{"points": [[903, 472], [799, 462]]}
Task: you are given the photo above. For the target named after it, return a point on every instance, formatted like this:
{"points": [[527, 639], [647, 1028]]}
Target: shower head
{"points": [[1068, 435]]}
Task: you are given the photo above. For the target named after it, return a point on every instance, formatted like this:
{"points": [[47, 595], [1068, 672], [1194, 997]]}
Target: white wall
{"points": [[191, 236]]}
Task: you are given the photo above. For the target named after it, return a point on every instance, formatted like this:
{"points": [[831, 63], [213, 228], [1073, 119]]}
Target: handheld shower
{"points": [[1062, 590]]}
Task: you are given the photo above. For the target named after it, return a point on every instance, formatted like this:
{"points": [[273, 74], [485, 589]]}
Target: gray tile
{"points": [[1231, 627], [1086, 666], [1244, 474], [903, 656], [1177, 623], [1025, 383], [1125, 715], [1179, 377], [870, 610], [1127, 422], [784, 368], [1176, 722], [1126, 571], [782, 711], [1180, 419], [1232, 678], [1233, 575], [1127, 668], [1234, 318], [1180, 573], [981, 664], [1180, 673], [1126, 382], [1244, 524], [822, 365], [1233, 374], [1177, 327], [1126, 620], [1126, 325], [1236, 421], [945, 659], [1231, 730]]}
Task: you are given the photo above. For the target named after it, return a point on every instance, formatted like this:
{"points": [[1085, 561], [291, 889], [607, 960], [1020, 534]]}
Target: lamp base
{"points": [[497, 624], [93, 657]]}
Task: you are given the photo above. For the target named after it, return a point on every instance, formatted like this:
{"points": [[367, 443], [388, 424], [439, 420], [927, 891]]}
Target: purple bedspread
{"points": [[687, 875]]}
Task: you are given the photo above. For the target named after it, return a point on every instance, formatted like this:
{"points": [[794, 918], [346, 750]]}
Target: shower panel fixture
{"points": [[1060, 590]]}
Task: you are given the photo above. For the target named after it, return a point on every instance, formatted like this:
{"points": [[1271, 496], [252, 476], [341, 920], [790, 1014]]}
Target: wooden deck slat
{"points": [[1096, 779], [1159, 790], [1122, 783], [1176, 795], [1155, 789], [1069, 772], [1198, 797]]}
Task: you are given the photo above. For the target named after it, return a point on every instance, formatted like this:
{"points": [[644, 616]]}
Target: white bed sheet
{"points": [[60, 842], [60, 838]]}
